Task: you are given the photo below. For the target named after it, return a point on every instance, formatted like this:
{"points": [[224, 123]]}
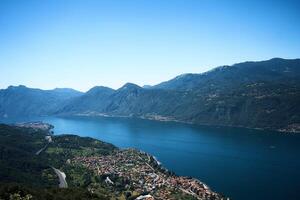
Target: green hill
{"points": [[29, 161]]}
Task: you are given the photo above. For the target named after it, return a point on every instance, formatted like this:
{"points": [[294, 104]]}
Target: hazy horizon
{"points": [[62, 87], [81, 44]]}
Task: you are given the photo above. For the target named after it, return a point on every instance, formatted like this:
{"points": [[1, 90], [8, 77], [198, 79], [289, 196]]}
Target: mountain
{"points": [[264, 95], [129, 100], [95, 99], [65, 93], [20, 100], [274, 70]]}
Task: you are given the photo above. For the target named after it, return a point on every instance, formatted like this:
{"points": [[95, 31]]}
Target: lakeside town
{"points": [[130, 173], [142, 174]]}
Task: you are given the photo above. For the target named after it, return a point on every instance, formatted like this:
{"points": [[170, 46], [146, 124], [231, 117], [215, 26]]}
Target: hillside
{"points": [[20, 100], [276, 70], [93, 169], [263, 95]]}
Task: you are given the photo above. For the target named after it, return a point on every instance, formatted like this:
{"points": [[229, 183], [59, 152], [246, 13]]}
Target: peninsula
{"points": [[95, 169]]}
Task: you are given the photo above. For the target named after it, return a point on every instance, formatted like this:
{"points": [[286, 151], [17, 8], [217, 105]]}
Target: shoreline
{"points": [[291, 130], [152, 176], [169, 119]]}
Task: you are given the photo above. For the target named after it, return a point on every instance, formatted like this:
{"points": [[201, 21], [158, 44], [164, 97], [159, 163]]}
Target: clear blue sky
{"points": [[80, 44]]}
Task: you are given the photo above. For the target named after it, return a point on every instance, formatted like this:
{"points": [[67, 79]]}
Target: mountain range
{"points": [[262, 95]]}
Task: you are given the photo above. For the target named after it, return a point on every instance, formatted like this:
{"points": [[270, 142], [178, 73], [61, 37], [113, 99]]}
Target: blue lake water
{"points": [[239, 163]]}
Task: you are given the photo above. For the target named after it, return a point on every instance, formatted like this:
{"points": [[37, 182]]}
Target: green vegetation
{"points": [[13, 191], [18, 162], [66, 147], [23, 174], [94, 170]]}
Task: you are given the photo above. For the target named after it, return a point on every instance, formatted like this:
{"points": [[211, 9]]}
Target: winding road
{"points": [[62, 178], [61, 175]]}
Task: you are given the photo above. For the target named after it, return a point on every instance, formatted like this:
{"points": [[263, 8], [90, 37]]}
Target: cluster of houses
{"points": [[36, 126], [145, 176]]}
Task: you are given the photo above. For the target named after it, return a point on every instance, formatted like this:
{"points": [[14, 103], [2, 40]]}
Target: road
{"points": [[42, 149], [62, 178]]}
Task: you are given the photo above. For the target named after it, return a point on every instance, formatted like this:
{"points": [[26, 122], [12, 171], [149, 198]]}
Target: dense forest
{"points": [[25, 175]]}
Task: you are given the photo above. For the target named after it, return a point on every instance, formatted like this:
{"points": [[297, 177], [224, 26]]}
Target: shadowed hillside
{"points": [[252, 94], [263, 94]]}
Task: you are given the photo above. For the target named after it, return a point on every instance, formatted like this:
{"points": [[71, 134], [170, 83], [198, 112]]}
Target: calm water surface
{"points": [[240, 163]]}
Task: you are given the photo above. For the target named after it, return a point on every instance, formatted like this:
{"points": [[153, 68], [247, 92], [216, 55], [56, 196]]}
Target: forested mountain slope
{"points": [[263, 94]]}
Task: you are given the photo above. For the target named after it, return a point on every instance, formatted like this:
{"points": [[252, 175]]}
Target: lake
{"points": [[239, 163]]}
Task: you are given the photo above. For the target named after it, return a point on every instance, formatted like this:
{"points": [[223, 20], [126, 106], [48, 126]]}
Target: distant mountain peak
{"points": [[130, 86], [19, 86], [98, 89], [277, 58], [65, 90], [183, 75]]}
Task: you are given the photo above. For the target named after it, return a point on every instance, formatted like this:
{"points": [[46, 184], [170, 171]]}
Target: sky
{"points": [[80, 44]]}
